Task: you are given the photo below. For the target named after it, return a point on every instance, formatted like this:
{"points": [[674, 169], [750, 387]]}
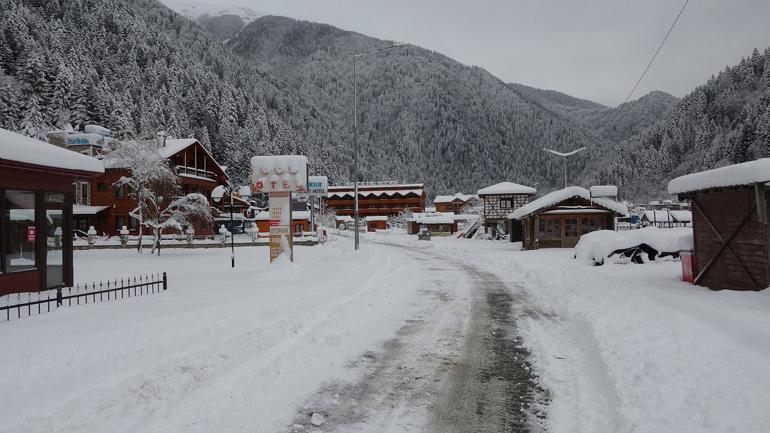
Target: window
{"points": [[549, 229], [588, 225], [19, 231], [120, 192], [101, 187], [120, 221], [82, 193], [570, 228], [299, 228], [506, 202], [133, 223]]}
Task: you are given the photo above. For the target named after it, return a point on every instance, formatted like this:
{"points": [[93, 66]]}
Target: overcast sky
{"points": [[593, 49]]}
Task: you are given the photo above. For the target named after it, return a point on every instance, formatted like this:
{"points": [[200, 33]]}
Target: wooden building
{"points": [[501, 199], [374, 223], [435, 222], [454, 203], [730, 225], [36, 181], [559, 219], [300, 222], [106, 207], [376, 199]]}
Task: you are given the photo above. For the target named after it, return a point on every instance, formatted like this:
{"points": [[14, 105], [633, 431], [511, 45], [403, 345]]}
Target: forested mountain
{"points": [[423, 116], [614, 124], [725, 121]]}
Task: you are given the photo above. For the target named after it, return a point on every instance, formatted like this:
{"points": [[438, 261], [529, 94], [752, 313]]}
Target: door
{"points": [[570, 238]]}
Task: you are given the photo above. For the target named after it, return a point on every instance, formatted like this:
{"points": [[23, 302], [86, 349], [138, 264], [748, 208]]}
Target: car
{"points": [[423, 234], [237, 226]]}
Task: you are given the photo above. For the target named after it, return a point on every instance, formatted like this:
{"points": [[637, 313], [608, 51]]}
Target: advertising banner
{"points": [[279, 173], [281, 240], [317, 186]]}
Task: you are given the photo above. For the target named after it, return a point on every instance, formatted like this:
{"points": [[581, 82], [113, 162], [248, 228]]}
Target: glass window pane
{"points": [[55, 251], [54, 197], [19, 236]]}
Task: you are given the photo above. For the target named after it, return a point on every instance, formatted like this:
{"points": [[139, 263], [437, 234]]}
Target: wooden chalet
{"points": [[376, 199], [36, 197], [99, 203], [453, 203], [730, 225], [501, 199], [559, 219], [434, 222]]}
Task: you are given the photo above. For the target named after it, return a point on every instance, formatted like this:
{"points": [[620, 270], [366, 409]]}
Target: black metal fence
{"points": [[111, 290]]}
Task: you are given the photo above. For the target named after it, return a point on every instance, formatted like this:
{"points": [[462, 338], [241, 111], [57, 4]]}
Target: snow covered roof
{"points": [[382, 193], [176, 145], [604, 191], [78, 209], [344, 218], [19, 148], [507, 188], [682, 216], [558, 196], [451, 198], [432, 218], [376, 218], [746, 173]]}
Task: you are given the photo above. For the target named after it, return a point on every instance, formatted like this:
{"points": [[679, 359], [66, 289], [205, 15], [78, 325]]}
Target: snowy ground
{"points": [[422, 336]]}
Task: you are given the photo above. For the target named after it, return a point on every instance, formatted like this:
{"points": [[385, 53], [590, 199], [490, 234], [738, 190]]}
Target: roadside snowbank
{"points": [[597, 246]]}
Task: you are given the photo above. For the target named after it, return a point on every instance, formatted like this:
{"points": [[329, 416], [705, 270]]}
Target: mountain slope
{"points": [[423, 116], [558, 102], [725, 121]]}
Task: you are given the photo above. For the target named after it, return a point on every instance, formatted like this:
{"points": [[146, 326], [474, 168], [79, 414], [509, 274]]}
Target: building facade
{"points": [[453, 203], [501, 199], [36, 198], [376, 199]]}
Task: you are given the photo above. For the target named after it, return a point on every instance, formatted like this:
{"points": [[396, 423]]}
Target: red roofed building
{"points": [[377, 198]]}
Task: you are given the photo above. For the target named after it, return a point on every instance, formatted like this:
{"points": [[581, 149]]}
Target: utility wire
{"points": [[660, 47]]}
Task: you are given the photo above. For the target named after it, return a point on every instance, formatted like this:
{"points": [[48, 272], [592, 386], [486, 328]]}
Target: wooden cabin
{"points": [[376, 199], [730, 225], [501, 199], [435, 222], [374, 223], [559, 219], [36, 226], [453, 203]]}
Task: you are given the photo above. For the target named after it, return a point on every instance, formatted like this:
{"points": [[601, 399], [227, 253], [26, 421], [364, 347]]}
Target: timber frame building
{"points": [[501, 199]]}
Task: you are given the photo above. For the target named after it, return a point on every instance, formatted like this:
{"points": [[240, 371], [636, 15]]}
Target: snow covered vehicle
{"points": [[637, 246]]}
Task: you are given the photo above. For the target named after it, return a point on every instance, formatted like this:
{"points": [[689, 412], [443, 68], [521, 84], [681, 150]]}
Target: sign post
{"points": [[279, 176], [317, 187]]}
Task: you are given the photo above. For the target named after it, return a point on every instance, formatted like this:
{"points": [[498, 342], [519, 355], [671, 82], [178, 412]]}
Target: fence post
{"points": [[165, 282]]}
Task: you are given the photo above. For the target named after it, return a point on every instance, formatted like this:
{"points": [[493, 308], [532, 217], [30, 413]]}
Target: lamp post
{"points": [[217, 196], [355, 133], [564, 157]]}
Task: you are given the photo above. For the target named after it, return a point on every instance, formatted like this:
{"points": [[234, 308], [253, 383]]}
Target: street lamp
{"points": [[564, 157], [355, 133], [217, 195]]}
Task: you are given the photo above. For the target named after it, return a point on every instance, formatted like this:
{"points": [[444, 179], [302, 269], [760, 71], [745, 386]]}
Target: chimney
{"points": [[161, 139]]}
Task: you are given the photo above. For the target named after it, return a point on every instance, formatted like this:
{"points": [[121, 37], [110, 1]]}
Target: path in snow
{"points": [[457, 366]]}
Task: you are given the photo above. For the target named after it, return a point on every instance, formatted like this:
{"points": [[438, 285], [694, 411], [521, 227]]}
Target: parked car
{"points": [[423, 234], [237, 226]]}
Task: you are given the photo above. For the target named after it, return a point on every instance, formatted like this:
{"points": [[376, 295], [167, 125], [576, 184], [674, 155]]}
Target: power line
{"points": [[660, 47]]}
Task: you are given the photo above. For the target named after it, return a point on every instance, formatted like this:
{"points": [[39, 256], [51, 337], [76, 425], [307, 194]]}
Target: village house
{"points": [[453, 203], [501, 199], [386, 199], [560, 218], [36, 198], [106, 207], [434, 222], [731, 235]]}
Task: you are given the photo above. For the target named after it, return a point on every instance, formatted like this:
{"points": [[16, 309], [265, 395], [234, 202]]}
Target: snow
{"points": [[604, 191], [507, 188], [630, 348], [681, 216], [597, 246], [19, 148], [432, 218], [79, 209], [553, 198], [344, 218], [375, 193], [746, 173], [451, 198], [376, 218], [176, 145]]}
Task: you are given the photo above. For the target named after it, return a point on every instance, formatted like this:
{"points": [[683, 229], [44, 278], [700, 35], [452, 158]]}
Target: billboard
{"points": [[282, 173], [317, 186], [281, 240]]}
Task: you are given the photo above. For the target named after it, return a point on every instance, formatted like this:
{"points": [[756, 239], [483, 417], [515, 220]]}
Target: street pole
{"points": [[232, 230], [565, 171], [355, 154], [564, 158]]}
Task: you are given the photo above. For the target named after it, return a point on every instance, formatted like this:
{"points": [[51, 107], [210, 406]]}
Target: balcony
{"points": [[196, 172]]}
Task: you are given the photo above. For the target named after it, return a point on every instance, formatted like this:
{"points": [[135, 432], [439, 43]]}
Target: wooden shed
{"points": [[501, 199], [435, 222], [560, 218], [374, 223], [730, 225], [36, 193]]}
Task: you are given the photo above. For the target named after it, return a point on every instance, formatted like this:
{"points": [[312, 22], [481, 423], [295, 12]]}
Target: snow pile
{"points": [[507, 188], [604, 191], [20, 148], [376, 218], [599, 245], [561, 195], [432, 218], [746, 173]]}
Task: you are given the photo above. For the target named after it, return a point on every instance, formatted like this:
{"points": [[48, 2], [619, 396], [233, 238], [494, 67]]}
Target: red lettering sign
{"points": [[31, 233]]}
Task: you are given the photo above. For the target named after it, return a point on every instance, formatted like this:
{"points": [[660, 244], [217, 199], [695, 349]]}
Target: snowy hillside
{"points": [[195, 9]]}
